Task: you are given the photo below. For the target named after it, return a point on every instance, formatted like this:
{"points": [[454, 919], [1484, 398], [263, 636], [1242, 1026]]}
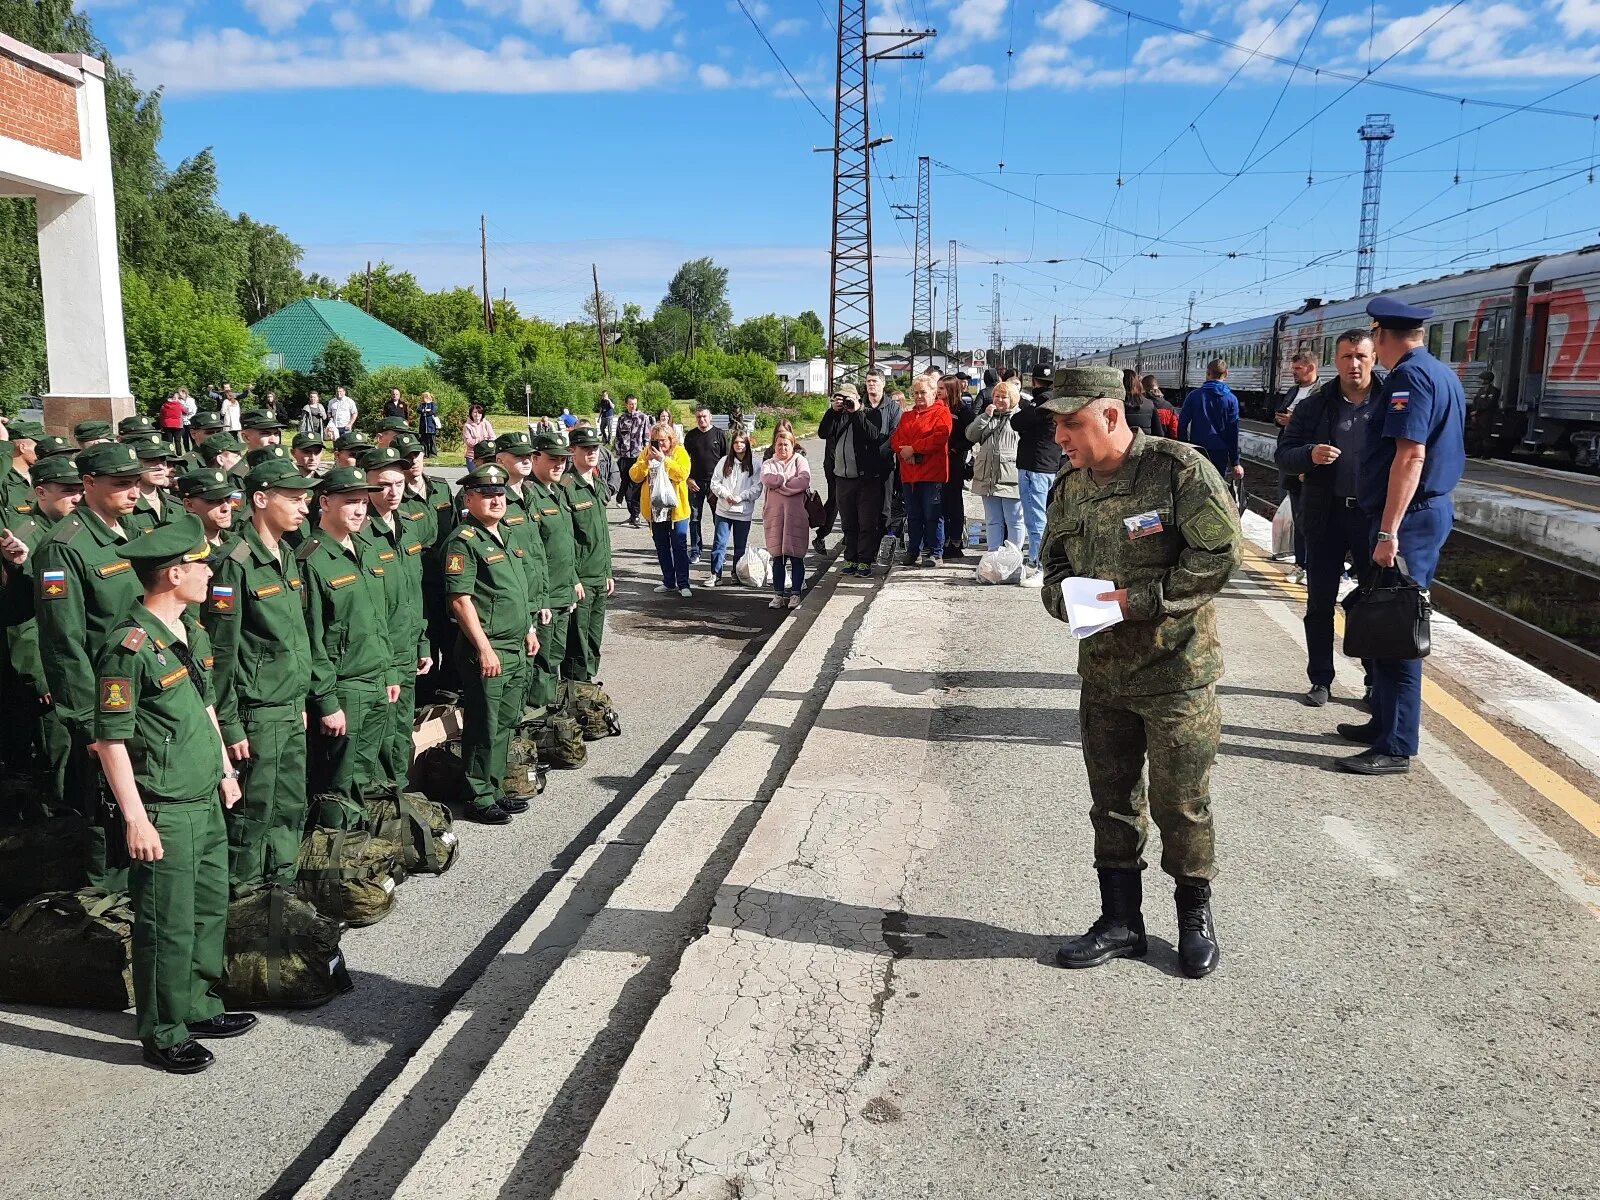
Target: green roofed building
{"points": [[297, 333]]}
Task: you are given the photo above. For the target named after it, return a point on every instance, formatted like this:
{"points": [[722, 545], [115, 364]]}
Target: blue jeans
{"points": [[796, 566], [672, 551], [739, 532], [1397, 682], [1003, 520], [1034, 487], [924, 518]]}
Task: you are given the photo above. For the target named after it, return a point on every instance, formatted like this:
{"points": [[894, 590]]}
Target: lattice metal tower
{"points": [[1376, 133], [952, 303], [922, 272], [996, 330]]}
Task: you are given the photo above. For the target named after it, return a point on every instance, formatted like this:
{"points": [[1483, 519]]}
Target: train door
{"points": [[1538, 352], [1493, 348]]}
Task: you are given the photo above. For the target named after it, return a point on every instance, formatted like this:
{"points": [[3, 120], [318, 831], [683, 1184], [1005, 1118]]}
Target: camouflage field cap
{"points": [[1075, 387]]}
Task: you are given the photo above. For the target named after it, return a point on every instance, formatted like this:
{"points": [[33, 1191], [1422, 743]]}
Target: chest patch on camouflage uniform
{"points": [[116, 695], [1143, 525], [455, 563], [53, 584]]}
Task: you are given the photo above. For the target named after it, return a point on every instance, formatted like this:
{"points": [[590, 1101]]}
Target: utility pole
{"points": [[1053, 320], [850, 307], [600, 319], [1138, 345], [996, 329], [368, 303], [952, 303], [1376, 133], [483, 249], [922, 263], [1191, 311]]}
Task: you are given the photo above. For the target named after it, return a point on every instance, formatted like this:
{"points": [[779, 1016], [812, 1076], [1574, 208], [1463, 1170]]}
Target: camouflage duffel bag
{"points": [[281, 953], [420, 827], [440, 775], [554, 740], [334, 810], [525, 774], [590, 707], [349, 875], [42, 856], [71, 949]]}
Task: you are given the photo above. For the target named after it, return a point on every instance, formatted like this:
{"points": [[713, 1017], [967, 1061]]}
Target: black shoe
{"points": [[1362, 735], [1373, 763], [1318, 695], [183, 1059], [1198, 954], [909, 559], [226, 1025], [489, 814], [819, 544], [512, 804], [1119, 933], [1366, 699], [954, 554]]}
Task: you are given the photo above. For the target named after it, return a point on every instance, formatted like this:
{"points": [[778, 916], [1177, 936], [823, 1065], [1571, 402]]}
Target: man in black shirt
{"points": [[1038, 463], [707, 446]]}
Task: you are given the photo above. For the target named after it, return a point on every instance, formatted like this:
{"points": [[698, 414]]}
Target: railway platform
{"points": [[826, 971]]}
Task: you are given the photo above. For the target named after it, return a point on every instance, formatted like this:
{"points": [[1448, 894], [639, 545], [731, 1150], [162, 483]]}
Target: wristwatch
{"points": [[1385, 536], [230, 774]]}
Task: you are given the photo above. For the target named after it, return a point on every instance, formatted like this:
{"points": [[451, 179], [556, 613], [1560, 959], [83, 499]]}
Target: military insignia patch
{"points": [[1398, 401], [116, 695], [414, 548], [494, 558], [133, 639], [342, 581], [52, 584], [172, 677], [386, 556], [221, 598], [455, 564]]}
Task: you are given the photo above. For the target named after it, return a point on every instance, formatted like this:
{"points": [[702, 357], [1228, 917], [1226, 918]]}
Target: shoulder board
{"points": [[467, 531], [240, 552], [133, 639], [307, 548], [1185, 454], [64, 530]]}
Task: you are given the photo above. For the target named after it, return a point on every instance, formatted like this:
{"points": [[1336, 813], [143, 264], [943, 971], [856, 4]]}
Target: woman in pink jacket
{"points": [[785, 479]]}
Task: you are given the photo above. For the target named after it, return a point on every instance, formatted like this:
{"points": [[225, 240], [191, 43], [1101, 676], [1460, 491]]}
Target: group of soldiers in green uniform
{"points": [[250, 624]]}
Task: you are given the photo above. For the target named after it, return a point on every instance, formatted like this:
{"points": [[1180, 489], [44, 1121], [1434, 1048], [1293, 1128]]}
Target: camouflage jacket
{"points": [[1164, 528]]}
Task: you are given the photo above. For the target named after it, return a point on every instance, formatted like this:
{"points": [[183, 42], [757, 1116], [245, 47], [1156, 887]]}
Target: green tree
{"points": [[179, 336], [339, 365], [272, 276], [480, 365], [700, 289]]}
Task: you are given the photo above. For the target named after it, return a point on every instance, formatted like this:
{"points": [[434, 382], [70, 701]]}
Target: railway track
{"points": [[1568, 594]]}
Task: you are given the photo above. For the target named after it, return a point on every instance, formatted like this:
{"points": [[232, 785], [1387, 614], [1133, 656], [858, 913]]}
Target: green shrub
{"points": [[373, 391], [724, 396], [552, 389], [653, 396], [811, 407]]}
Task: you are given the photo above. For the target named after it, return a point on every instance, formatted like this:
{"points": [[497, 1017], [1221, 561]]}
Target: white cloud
{"points": [[646, 14], [975, 77], [1072, 20], [1578, 16], [569, 18], [233, 60], [277, 15], [792, 27], [713, 76], [346, 20], [978, 20], [413, 10]]}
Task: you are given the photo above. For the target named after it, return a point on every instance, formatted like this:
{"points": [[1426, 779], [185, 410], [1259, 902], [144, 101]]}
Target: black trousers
{"points": [[860, 504], [955, 517], [631, 496], [830, 508], [1344, 537]]}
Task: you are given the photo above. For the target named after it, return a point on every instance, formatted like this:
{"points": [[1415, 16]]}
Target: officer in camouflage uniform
{"points": [[586, 499], [1154, 517], [255, 615], [83, 588], [57, 492], [158, 741], [400, 548], [352, 673], [488, 587], [549, 506]]}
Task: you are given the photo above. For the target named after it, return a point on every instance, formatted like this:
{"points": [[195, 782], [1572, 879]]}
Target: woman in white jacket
{"points": [[735, 483]]}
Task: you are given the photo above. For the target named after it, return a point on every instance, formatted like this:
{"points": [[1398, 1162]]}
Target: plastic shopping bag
{"points": [[755, 568], [1001, 566], [663, 496], [1283, 530]]}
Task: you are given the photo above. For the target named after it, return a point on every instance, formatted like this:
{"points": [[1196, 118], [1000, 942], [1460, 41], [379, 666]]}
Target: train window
{"points": [[1458, 341], [1436, 339]]}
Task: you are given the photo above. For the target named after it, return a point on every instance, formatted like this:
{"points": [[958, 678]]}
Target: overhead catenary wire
{"points": [[762, 34]]}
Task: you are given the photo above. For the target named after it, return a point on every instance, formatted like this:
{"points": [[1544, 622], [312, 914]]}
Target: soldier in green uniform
{"points": [[255, 616], [157, 738], [202, 425], [514, 456], [429, 510], [308, 451], [91, 433], [1154, 517], [57, 492], [586, 499], [16, 489], [208, 494], [387, 429], [271, 452], [52, 445], [154, 507], [258, 428], [223, 451], [488, 587], [349, 448], [547, 504], [352, 666], [83, 588], [136, 428], [16, 497], [401, 549]]}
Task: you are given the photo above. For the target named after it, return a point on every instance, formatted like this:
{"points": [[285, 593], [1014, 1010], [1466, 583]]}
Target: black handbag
{"points": [[1388, 617]]}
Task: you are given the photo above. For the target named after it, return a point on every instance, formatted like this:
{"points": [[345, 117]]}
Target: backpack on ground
{"points": [[42, 856], [335, 810], [419, 826], [349, 875], [71, 949], [557, 741], [525, 774], [590, 707], [440, 774], [281, 953]]}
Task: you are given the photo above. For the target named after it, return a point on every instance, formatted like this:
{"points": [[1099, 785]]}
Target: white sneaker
{"points": [[794, 600], [1297, 576], [1032, 577], [685, 592], [661, 587], [711, 581], [776, 602]]}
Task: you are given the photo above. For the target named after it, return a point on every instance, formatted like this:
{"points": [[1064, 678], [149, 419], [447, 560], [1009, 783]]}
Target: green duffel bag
{"points": [[71, 949], [281, 953], [349, 875], [334, 810], [555, 740], [440, 775], [590, 707], [42, 856], [419, 826]]}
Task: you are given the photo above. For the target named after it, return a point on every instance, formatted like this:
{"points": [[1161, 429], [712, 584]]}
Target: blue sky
{"points": [[638, 133]]}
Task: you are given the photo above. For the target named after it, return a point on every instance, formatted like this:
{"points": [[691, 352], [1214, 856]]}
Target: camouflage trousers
{"points": [[1178, 733]]}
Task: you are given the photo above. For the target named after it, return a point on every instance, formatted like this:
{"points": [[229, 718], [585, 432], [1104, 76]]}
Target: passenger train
{"points": [[1524, 337]]}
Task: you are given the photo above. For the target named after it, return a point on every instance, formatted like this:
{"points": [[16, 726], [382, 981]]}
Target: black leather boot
{"points": [[1198, 953], [1119, 933]]}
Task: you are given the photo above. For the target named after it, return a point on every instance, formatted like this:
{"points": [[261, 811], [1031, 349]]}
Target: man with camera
{"points": [[854, 461]]}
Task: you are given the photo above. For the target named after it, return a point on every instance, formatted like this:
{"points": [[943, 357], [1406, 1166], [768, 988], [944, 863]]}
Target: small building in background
{"points": [[297, 333]]}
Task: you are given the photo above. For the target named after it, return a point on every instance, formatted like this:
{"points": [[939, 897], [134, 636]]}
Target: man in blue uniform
{"points": [[1410, 465]]}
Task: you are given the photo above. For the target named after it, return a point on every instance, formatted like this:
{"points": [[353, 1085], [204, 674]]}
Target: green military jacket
{"points": [[83, 589], [144, 517], [520, 527], [16, 495], [553, 518], [490, 569], [16, 602], [1164, 528], [346, 618], [419, 519], [255, 618], [586, 500], [400, 551], [149, 699]]}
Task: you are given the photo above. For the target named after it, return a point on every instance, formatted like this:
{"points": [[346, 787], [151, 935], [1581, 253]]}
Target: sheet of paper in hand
{"points": [[1087, 616]]}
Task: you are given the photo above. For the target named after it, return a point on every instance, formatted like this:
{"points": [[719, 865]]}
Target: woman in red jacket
{"points": [[922, 444]]}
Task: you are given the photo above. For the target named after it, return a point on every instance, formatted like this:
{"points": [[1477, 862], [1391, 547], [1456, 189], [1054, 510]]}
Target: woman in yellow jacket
{"points": [[662, 470]]}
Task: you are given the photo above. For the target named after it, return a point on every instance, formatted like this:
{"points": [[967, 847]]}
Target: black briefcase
{"points": [[1388, 617]]}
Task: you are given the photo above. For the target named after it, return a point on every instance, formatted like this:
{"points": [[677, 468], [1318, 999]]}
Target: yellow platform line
{"points": [[1506, 487], [1552, 785]]}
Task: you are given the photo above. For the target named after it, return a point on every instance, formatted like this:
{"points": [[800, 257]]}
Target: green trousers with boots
{"points": [[395, 757], [180, 905], [545, 681], [491, 709], [346, 764], [585, 629], [266, 827]]}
